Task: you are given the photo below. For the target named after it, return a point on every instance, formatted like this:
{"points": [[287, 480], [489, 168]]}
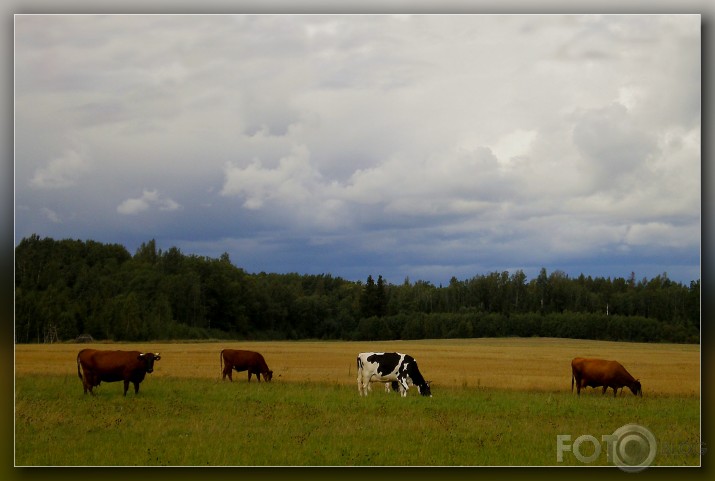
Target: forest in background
{"points": [[68, 288]]}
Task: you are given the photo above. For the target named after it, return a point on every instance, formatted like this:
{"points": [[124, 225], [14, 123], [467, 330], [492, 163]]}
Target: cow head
{"points": [[268, 375], [424, 389], [636, 388], [149, 359]]}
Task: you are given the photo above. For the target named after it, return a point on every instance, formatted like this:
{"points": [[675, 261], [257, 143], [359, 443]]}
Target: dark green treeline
{"points": [[67, 288]]}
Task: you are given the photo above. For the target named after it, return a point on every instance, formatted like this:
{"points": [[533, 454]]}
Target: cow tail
{"points": [[572, 379], [220, 361], [79, 372]]}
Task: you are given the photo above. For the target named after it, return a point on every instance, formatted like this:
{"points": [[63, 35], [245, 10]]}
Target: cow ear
{"points": [[156, 356], [140, 356]]}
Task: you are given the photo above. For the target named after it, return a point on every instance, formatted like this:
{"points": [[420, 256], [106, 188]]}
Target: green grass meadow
{"points": [[177, 421]]}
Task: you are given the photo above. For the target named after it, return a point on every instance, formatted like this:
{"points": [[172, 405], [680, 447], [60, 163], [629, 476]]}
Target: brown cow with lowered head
{"points": [[600, 372], [250, 361], [112, 366]]}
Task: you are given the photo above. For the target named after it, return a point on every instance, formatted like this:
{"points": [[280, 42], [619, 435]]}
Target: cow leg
{"points": [[87, 382], [363, 385], [136, 387], [126, 386], [92, 382], [367, 385], [403, 386], [227, 372]]}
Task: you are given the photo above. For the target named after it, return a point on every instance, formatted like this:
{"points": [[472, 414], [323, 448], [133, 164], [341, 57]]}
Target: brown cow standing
{"points": [[250, 361], [600, 372], [112, 366]]}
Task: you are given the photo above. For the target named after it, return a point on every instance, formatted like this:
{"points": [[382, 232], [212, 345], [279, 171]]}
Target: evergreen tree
{"points": [[380, 308]]}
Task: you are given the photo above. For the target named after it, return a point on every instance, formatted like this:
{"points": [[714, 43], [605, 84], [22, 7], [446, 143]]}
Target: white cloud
{"points": [[51, 215], [61, 172], [291, 182], [134, 206], [514, 144], [148, 199]]}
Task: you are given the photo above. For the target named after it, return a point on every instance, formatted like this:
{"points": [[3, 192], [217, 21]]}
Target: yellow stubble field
{"points": [[541, 364]]}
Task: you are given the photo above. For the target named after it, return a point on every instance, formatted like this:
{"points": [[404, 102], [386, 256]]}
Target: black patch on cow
{"points": [[409, 368], [386, 362]]}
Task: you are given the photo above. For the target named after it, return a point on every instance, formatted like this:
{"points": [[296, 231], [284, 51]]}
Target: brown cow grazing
{"points": [[112, 366], [600, 372], [250, 361]]}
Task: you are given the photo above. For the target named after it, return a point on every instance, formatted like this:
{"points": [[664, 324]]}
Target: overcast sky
{"points": [[425, 146]]}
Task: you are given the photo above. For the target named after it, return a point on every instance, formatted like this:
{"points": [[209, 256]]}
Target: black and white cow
{"points": [[389, 367]]}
